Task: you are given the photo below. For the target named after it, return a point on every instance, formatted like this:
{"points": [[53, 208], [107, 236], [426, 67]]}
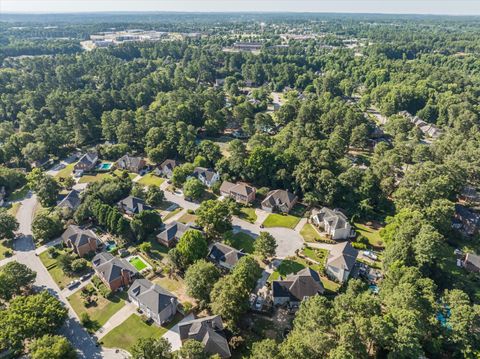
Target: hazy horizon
{"points": [[422, 7]]}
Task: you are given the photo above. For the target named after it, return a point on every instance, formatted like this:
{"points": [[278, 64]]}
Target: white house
{"points": [[333, 222], [207, 176], [340, 262]]}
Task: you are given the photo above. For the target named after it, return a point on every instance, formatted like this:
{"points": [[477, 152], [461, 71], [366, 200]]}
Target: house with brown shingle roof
{"points": [[131, 164], [279, 200], [296, 287], [208, 331], [166, 168], [240, 192], [82, 241], [114, 272], [472, 263]]}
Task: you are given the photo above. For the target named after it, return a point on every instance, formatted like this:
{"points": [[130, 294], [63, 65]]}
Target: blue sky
{"points": [[460, 7]]}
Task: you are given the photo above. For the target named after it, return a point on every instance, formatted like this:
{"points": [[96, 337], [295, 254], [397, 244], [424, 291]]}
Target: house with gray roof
{"points": [[333, 222], [207, 176], [340, 262], [296, 287], [172, 233], [131, 163], [154, 301], [114, 272], [208, 331], [225, 256], [279, 200], [240, 192], [472, 263], [82, 241], [71, 201], [166, 168], [133, 205]]}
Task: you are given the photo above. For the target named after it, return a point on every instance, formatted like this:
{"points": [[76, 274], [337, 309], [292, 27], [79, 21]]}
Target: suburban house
{"points": [[172, 233], [133, 205], [225, 256], [207, 176], [333, 222], [166, 168], [82, 241], [466, 220], [279, 200], [86, 163], [71, 201], [341, 260], [240, 192], [472, 263], [296, 287], [247, 46], [208, 331], [114, 272], [155, 302], [131, 164]]}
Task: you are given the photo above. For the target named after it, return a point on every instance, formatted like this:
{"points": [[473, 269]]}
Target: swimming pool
{"points": [[105, 166], [111, 246]]}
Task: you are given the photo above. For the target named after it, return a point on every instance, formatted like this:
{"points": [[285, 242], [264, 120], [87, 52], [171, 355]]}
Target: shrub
{"points": [[85, 319], [79, 265], [263, 191], [358, 245], [8, 253], [52, 252], [190, 211], [362, 239]]}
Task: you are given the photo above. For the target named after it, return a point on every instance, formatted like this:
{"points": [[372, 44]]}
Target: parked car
{"points": [[73, 284], [370, 254], [86, 276], [259, 303], [123, 252]]}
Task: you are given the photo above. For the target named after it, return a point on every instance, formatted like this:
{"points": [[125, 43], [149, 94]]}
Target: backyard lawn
{"points": [[248, 214], [280, 220], [176, 285], [126, 334], [66, 171], [119, 173], [240, 240], [58, 275], [317, 254], [101, 311], [309, 233], [96, 178], [187, 218], [151, 180], [371, 233]]}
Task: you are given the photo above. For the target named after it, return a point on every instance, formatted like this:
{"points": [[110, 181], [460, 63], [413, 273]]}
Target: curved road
{"points": [[25, 253]]}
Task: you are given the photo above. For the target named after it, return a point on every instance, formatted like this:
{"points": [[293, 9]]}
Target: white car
{"points": [[371, 255]]}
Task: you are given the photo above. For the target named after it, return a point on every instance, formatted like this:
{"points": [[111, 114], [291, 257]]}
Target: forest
{"points": [[161, 100]]}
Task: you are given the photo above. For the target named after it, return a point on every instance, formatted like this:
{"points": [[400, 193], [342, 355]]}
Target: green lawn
{"points": [[372, 234], [158, 251], [66, 172], [240, 240], [172, 213], [126, 334], [309, 233], [151, 180], [248, 214], [187, 218], [138, 263], [317, 254], [99, 313], [170, 284], [96, 178], [58, 275], [14, 208], [19, 194], [119, 173], [280, 220]]}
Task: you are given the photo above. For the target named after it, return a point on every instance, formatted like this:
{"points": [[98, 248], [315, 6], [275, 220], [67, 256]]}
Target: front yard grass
{"points": [[248, 214], [317, 254], [66, 171], [119, 173], [5, 247], [280, 220], [99, 313], [372, 234], [19, 194], [309, 233], [172, 213], [240, 240], [187, 218], [151, 180], [58, 275], [14, 208], [126, 334]]}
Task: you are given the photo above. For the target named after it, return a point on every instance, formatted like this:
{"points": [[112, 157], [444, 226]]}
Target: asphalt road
{"points": [[25, 253]]}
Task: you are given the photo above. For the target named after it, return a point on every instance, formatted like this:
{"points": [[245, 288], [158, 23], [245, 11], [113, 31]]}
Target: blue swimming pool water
{"points": [[111, 246], [105, 166]]}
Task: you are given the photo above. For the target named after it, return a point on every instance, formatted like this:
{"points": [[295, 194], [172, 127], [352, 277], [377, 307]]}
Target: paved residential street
{"points": [[25, 253]]}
